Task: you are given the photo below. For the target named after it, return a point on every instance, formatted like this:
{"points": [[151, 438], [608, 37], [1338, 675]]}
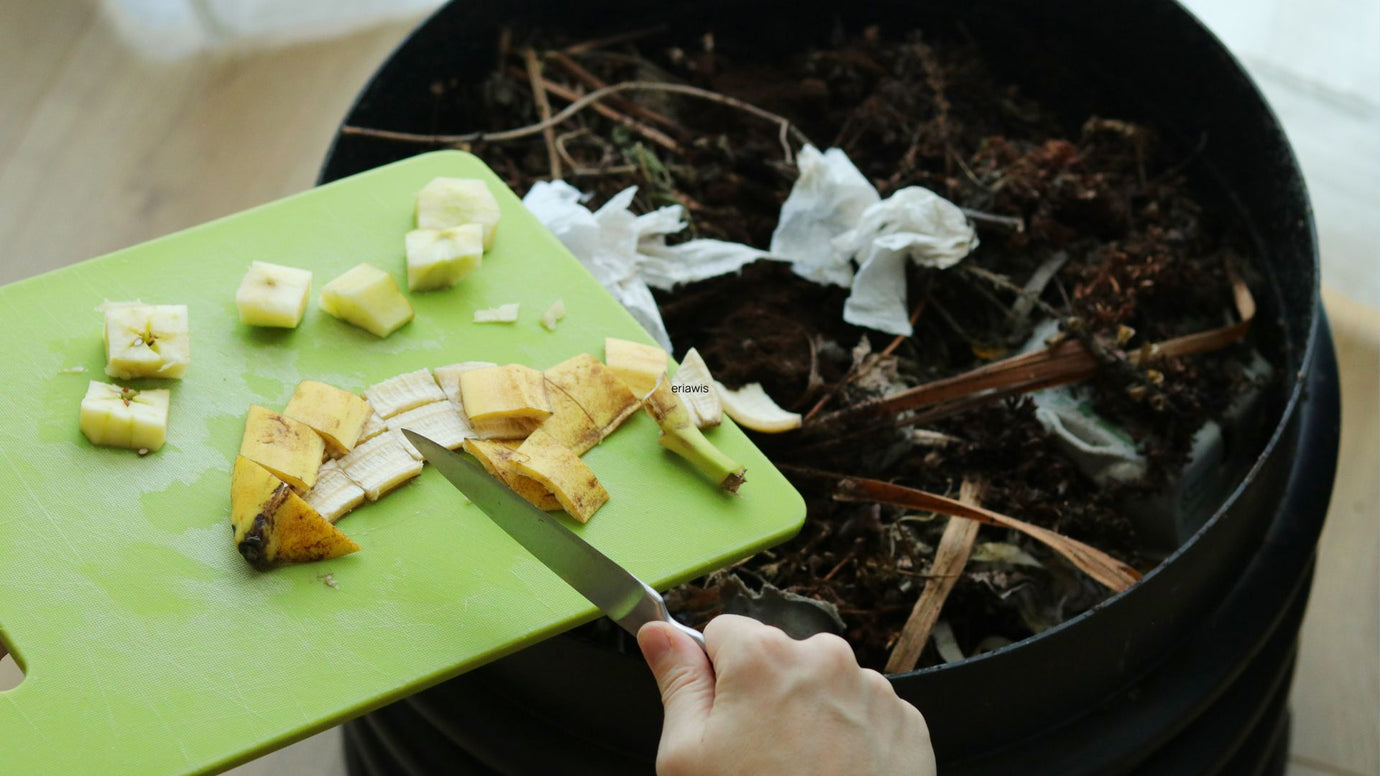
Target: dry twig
{"points": [[529, 57], [1097, 564], [949, 559]]}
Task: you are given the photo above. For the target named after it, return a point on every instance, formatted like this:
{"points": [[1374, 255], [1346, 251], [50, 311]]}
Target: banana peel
{"points": [[509, 391], [337, 415], [569, 424], [288, 448], [543, 458], [604, 397], [274, 525], [496, 456], [638, 366], [680, 435]]}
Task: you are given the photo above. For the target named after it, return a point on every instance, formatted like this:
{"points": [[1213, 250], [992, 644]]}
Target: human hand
{"points": [[762, 703]]}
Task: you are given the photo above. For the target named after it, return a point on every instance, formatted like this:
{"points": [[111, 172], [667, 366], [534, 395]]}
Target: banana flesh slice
{"points": [[402, 393], [380, 465], [374, 426], [439, 421], [695, 388], [334, 494], [752, 408]]}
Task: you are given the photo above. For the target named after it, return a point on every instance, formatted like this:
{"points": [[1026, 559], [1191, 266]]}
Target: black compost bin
{"points": [[1185, 672]]}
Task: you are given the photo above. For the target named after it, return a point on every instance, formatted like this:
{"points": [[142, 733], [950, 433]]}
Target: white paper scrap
{"points": [[913, 224], [627, 253], [827, 200]]}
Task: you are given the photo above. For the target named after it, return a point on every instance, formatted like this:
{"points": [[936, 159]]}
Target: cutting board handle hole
{"points": [[11, 672]]}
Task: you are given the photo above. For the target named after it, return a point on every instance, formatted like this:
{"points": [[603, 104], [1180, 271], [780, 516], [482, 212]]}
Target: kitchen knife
{"points": [[624, 598]]}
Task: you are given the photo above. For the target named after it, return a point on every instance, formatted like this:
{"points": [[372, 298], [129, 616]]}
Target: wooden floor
{"points": [[100, 149]]}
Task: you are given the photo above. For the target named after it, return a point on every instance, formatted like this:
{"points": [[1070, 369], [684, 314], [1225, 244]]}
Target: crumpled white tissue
{"points": [[628, 253], [834, 217], [827, 200], [913, 224]]}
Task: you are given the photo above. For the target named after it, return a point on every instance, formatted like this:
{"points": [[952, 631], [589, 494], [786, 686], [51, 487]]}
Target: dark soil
{"points": [[1145, 261]]}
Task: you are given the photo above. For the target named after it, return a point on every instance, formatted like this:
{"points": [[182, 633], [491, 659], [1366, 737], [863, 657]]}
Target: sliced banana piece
{"points": [[374, 426], [695, 388], [752, 408], [439, 421], [380, 465], [334, 494], [402, 393]]}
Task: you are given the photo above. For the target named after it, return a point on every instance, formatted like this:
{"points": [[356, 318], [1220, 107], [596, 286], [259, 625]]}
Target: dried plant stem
{"points": [[591, 99], [949, 559], [593, 81], [854, 375], [613, 40], [529, 58], [1066, 362], [1097, 564], [654, 135]]}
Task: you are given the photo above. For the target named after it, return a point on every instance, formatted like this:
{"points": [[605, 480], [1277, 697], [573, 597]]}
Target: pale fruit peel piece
{"points": [[439, 421], [695, 387], [288, 448], [569, 424], [751, 407], [504, 313], [274, 525], [497, 458], [505, 428], [403, 392], [680, 435], [146, 340], [561, 471], [636, 364], [334, 494], [509, 391], [600, 393], [273, 295], [440, 258], [380, 465], [553, 314], [447, 202], [336, 414], [112, 416], [369, 298]]}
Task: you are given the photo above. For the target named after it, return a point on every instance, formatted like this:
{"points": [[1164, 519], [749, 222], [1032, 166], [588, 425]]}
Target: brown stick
{"points": [[949, 559], [652, 134], [628, 106], [1097, 564], [585, 101], [613, 40], [529, 57], [1066, 362]]}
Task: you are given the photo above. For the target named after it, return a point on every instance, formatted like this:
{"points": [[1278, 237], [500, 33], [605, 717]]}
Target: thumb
{"points": [[685, 678]]}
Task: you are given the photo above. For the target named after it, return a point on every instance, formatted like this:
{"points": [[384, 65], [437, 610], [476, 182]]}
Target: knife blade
{"points": [[620, 595]]}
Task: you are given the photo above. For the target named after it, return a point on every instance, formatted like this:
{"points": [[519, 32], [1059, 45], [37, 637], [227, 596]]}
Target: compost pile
{"points": [[1105, 202]]}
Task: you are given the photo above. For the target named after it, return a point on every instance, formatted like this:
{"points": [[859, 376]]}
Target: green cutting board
{"points": [[149, 645]]}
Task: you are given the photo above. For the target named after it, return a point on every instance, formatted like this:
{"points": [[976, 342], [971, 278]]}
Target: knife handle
{"points": [[687, 630]]}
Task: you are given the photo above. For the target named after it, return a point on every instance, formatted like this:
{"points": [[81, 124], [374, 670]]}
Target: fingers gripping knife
{"points": [[624, 598]]}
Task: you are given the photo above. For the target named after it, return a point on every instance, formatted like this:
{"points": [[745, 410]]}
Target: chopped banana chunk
{"points": [[553, 314], [374, 426], [123, 417], [273, 295], [146, 340], [447, 202], [440, 258], [561, 471], [402, 393], [369, 298], [380, 465], [334, 494]]}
